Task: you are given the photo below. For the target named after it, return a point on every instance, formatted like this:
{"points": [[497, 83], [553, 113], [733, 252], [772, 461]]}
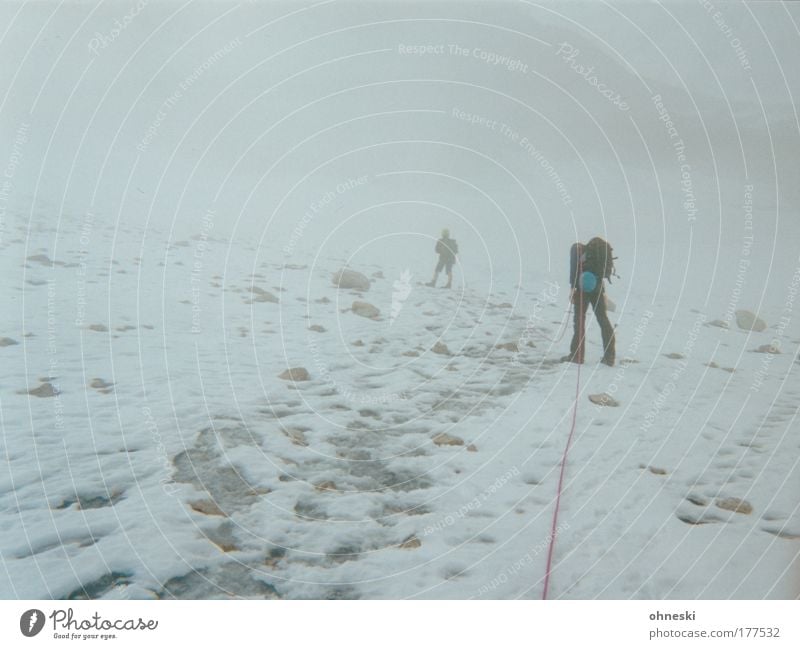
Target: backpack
{"points": [[447, 247], [598, 258]]}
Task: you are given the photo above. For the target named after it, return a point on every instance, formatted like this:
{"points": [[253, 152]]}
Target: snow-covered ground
{"points": [[166, 257]]}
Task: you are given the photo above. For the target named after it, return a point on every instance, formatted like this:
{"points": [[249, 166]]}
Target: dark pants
{"points": [[598, 301]]}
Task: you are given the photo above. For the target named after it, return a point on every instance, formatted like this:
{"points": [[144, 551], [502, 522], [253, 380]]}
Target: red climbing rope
{"points": [[579, 351]]}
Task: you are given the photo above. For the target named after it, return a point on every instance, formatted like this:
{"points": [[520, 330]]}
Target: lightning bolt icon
{"points": [[32, 621]]}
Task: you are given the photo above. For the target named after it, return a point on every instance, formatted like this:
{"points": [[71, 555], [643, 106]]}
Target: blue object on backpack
{"points": [[588, 281]]}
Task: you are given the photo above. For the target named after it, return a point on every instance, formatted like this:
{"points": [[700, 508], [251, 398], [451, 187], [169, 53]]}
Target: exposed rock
{"points": [[6, 342], [674, 356], [410, 543], [717, 323], [440, 348], [98, 327], [317, 328], [295, 374], [347, 278], [207, 507], [603, 399], [749, 321], [326, 485], [712, 364], [296, 436], [358, 343], [472, 448], [45, 390], [366, 310], [768, 349], [510, 346], [656, 471], [697, 500], [260, 295], [735, 505], [445, 439], [411, 353], [323, 300]]}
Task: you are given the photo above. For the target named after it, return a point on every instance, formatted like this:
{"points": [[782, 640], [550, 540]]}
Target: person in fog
{"points": [[590, 264], [447, 249]]}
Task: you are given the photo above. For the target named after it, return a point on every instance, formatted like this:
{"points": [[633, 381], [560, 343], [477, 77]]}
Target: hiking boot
{"points": [[570, 358], [608, 361]]}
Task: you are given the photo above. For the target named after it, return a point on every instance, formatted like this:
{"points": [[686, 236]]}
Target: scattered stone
{"points": [[317, 328], [749, 321], [717, 323], [445, 439], [323, 300], [365, 310], [656, 471], [603, 399], [509, 347], [98, 327], [101, 386], [768, 349], [326, 485], [358, 343], [295, 374], [295, 266], [697, 500], [260, 295], [440, 348], [712, 364], [411, 353], [378, 274], [472, 448], [7, 342], [735, 505], [410, 543], [296, 436], [43, 391], [674, 356], [346, 278], [207, 507]]}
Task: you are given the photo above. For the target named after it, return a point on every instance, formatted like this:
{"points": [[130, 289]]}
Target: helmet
{"points": [[445, 233]]}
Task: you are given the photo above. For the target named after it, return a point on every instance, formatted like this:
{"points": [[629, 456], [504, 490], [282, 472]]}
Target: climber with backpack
{"points": [[447, 249], [590, 264]]}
